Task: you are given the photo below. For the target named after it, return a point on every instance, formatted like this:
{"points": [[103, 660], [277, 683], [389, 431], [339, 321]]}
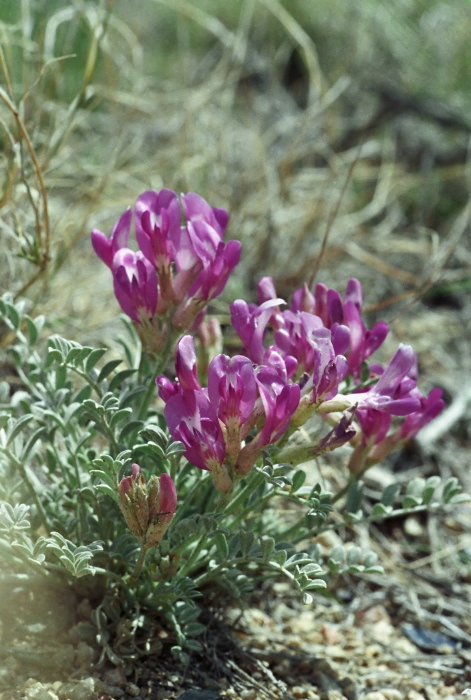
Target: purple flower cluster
{"points": [[165, 286], [214, 422], [255, 399]]}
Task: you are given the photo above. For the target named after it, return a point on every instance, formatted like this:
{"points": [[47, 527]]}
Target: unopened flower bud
{"points": [[147, 506]]}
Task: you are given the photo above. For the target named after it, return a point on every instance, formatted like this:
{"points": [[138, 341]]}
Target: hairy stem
{"points": [[139, 564]]}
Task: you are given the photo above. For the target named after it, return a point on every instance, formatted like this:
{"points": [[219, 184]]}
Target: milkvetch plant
{"points": [[191, 473]]}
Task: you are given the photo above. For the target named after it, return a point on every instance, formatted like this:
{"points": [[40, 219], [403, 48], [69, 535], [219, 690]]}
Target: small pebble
{"points": [[84, 689], [84, 655], [392, 694], [115, 676], [302, 693], [248, 694], [113, 691], [39, 692]]}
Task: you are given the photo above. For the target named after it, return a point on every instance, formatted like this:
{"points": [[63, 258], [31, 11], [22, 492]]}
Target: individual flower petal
{"points": [[363, 342], [250, 322], [192, 419], [374, 425], [394, 391], [167, 497], [303, 300], [430, 407], [197, 209], [266, 290], [106, 248], [186, 365], [232, 388]]}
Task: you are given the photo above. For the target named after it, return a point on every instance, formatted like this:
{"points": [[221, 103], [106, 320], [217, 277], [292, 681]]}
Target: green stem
{"points": [[253, 481], [185, 570], [147, 399], [376, 518], [86, 377], [286, 534], [139, 564], [29, 485], [353, 478], [158, 369], [81, 520], [196, 494]]}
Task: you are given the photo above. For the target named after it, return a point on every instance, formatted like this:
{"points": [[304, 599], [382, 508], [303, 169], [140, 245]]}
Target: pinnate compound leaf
{"points": [[74, 558], [14, 519]]}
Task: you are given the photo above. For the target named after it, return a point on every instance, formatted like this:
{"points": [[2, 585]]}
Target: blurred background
{"points": [[336, 133]]}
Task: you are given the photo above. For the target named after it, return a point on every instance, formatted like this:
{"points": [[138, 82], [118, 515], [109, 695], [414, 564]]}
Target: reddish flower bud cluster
{"points": [[148, 506]]}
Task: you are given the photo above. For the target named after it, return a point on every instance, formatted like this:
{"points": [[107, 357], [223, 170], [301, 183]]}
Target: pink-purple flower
{"points": [[311, 356], [321, 341], [166, 285], [214, 423]]}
